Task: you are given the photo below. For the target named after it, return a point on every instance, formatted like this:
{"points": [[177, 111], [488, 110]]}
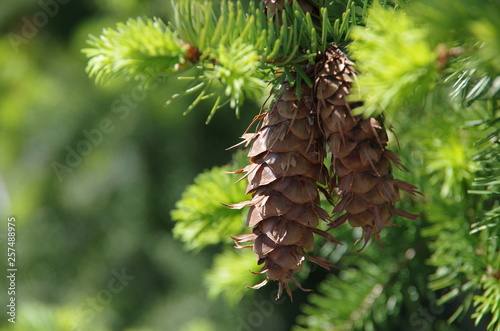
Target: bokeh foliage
{"points": [[431, 66]]}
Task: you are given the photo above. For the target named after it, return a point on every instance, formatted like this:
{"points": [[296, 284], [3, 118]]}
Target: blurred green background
{"points": [[91, 174]]}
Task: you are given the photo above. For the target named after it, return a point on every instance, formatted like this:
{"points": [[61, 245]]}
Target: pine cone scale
{"points": [[287, 164], [287, 154], [361, 168]]}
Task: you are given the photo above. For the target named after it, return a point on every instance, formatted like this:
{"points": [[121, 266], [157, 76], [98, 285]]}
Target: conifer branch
{"points": [[404, 57], [371, 293], [235, 51], [200, 217], [395, 60], [140, 49]]}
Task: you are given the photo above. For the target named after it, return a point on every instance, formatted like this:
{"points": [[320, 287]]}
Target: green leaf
{"points": [[139, 49], [230, 274], [200, 216], [395, 59], [239, 78]]}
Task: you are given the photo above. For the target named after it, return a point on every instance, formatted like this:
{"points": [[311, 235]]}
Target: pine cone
{"points": [[287, 163], [361, 168]]}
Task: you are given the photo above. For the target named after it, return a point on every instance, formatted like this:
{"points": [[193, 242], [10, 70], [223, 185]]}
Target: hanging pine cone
{"points": [[361, 168], [287, 163]]}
